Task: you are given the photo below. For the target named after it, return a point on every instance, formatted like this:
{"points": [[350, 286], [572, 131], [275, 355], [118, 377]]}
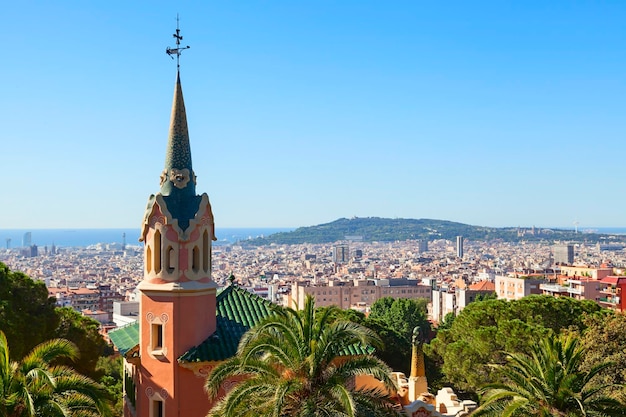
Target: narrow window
{"points": [[205, 251], [157, 408], [195, 261], [157, 336], [170, 259], [149, 259], [157, 251]]}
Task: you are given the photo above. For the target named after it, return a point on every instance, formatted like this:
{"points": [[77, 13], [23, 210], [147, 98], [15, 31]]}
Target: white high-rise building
{"points": [[459, 246]]}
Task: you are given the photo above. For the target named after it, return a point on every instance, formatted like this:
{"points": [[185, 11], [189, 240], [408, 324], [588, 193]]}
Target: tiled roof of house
{"points": [[483, 286], [237, 311], [613, 280], [125, 338]]}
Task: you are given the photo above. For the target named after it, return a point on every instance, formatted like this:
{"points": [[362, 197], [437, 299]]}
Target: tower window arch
{"points": [[206, 250], [170, 259], [157, 251], [195, 259], [149, 258]]}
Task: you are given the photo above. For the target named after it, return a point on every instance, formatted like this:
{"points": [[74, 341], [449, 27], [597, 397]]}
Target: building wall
{"points": [[512, 288], [563, 254], [362, 293], [187, 319], [585, 289], [583, 271], [467, 296]]}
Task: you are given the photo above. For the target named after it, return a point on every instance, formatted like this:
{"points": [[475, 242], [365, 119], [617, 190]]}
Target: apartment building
{"points": [[359, 293], [517, 286], [612, 293], [445, 301]]}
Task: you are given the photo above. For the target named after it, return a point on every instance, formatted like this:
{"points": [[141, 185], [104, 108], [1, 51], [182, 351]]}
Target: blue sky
{"points": [[302, 112]]}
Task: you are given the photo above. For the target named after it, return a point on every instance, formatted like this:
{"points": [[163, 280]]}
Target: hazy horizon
{"points": [[572, 226]]}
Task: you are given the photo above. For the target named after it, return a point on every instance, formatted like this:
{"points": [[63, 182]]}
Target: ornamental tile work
{"points": [[237, 311]]}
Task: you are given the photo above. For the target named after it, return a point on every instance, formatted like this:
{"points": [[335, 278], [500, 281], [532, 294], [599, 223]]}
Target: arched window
{"points": [[149, 259], [195, 259], [157, 251], [206, 250], [170, 259]]}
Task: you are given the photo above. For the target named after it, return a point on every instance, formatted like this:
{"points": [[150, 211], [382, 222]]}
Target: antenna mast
{"points": [[179, 49]]}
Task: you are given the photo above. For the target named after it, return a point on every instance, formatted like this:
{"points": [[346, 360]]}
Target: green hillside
{"points": [[388, 230]]}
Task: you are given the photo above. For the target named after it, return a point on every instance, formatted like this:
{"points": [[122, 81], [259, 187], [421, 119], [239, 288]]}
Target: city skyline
{"points": [[300, 114]]}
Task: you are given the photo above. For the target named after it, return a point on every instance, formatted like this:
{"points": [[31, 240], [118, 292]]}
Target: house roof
{"points": [[238, 310], [483, 286], [613, 280], [125, 338]]}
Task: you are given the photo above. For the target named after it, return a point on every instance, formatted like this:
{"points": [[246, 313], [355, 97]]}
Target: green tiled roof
{"points": [[125, 338], [357, 349], [237, 311]]}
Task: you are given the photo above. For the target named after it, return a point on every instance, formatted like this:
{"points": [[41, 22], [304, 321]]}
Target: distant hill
{"points": [[389, 230]]}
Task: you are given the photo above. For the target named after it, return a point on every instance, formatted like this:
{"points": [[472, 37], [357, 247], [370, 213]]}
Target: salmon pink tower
{"points": [[178, 296]]}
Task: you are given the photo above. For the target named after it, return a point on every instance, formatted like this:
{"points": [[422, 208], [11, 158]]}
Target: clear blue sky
{"points": [[302, 112]]}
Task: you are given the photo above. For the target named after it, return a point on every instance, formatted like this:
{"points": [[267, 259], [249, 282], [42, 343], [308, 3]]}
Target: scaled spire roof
{"points": [[178, 181], [178, 176]]}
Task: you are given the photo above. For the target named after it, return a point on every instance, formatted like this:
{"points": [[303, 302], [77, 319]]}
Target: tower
{"points": [[341, 254], [563, 254], [459, 246], [178, 296], [418, 384], [26, 239]]}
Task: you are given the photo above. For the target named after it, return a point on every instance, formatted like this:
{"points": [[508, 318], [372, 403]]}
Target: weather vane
{"points": [[179, 49]]}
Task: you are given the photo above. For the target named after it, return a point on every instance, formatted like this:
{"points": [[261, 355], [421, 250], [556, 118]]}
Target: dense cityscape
{"points": [[100, 281], [90, 279]]}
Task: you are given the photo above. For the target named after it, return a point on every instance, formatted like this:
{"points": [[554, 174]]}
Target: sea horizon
{"points": [[83, 237]]}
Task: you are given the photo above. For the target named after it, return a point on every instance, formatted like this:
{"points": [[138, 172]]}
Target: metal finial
{"points": [[179, 49]]}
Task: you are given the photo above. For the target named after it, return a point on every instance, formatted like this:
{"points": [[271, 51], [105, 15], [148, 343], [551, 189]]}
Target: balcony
{"points": [[576, 290], [609, 290], [609, 300], [554, 288]]}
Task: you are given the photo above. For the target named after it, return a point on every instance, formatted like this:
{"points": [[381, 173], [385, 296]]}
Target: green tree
{"points": [[84, 333], [25, 304], [297, 364], [484, 330], [35, 387], [549, 382], [484, 297], [395, 350], [402, 315], [110, 367], [605, 340], [447, 321]]}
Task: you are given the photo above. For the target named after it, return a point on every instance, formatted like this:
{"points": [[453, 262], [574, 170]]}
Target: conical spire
{"points": [[178, 177]]}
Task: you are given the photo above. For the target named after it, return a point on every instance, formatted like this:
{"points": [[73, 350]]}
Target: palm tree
{"points": [[35, 387], [296, 364], [549, 382]]}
